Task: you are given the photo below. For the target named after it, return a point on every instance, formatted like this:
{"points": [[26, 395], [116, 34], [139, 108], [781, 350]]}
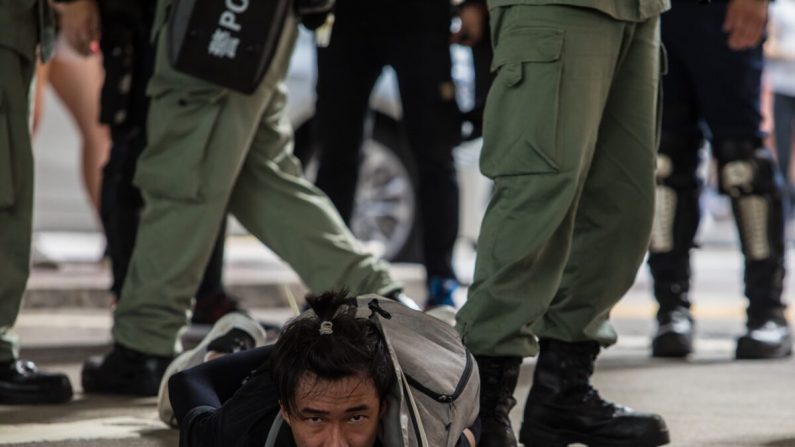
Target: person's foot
{"points": [[21, 383], [563, 408], [674, 337], [209, 309], [233, 333], [124, 371], [498, 377], [440, 292], [767, 337]]}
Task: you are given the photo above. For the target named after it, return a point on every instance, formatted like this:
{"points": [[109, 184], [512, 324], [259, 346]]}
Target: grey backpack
{"points": [[438, 386]]}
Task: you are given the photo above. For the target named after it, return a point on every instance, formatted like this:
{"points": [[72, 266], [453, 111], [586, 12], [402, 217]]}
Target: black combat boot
{"points": [[498, 377], [124, 371], [21, 383], [674, 337], [563, 408], [768, 336]]}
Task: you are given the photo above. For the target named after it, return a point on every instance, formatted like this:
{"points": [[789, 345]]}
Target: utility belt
{"points": [[231, 43]]}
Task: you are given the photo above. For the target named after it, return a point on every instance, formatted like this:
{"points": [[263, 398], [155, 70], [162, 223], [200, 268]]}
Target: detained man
{"points": [[334, 378]]}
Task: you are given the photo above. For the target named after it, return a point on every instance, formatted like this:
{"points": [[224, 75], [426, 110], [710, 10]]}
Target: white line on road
{"points": [[103, 428]]}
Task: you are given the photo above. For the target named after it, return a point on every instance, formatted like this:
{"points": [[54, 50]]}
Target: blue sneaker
{"points": [[441, 291]]}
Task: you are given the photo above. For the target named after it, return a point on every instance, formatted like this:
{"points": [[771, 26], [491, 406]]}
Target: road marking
{"points": [[703, 345], [700, 312], [103, 428]]}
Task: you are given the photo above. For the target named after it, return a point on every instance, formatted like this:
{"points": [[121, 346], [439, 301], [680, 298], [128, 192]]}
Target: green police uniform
{"points": [[570, 136], [211, 149], [23, 25]]}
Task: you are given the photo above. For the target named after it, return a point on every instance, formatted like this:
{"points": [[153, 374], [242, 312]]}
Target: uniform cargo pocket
{"points": [[180, 127], [521, 117], [6, 171]]}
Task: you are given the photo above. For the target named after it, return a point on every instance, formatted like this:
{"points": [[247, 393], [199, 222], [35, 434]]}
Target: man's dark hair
{"points": [[354, 348]]}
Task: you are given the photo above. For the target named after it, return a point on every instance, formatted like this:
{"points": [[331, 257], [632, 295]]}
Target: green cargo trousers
{"points": [[209, 150], [570, 136], [16, 174]]}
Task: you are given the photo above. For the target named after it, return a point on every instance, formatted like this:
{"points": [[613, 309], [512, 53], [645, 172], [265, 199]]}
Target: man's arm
{"points": [[745, 22], [224, 401]]}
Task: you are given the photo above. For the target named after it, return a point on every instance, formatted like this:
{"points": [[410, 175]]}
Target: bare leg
{"points": [[42, 76], [78, 82]]}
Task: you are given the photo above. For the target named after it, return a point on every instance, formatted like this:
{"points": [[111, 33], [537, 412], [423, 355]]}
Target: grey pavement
{"points": [[708, 400], [74, 276]]}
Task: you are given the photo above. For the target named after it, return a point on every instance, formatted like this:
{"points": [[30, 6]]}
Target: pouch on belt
{"points": [[230, 43]]}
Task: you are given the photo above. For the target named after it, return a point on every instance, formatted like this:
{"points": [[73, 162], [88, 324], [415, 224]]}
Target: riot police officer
{"points": [[24, 25], [712, 91], [128, 56], [211, 149], [570, 138]]}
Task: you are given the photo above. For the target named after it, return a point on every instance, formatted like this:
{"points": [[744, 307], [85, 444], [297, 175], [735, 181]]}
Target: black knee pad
{"points": [[676, 211], [750, 176], [677, 162], [746, 168]]}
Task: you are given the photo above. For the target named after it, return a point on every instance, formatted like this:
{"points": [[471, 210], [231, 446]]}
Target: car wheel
{"points": [[385, 205], [385, 211]]}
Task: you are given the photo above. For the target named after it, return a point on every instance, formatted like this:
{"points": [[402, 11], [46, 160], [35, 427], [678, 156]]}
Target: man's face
{"points": [[339, 413]]}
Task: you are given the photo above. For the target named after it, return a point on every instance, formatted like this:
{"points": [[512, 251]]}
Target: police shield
{"points": [[227, 42]]}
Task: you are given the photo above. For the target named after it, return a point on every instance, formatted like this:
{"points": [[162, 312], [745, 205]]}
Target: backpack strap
{"points": [[273, 434], [416, 426], [414, 419]]}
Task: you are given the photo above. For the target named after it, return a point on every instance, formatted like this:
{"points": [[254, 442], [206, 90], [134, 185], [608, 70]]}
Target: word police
{"points": [[223, 43]]}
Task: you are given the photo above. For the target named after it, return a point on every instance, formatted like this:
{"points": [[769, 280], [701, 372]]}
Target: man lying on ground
{"points": [[331, 378]]}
